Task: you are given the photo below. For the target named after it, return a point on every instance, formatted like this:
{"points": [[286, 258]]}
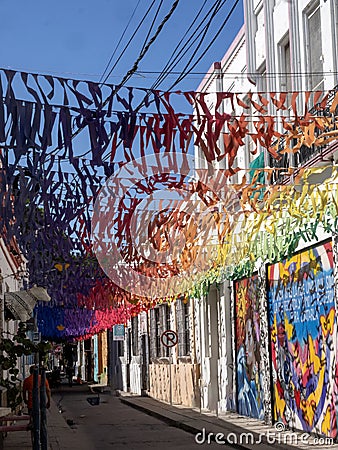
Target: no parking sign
{"points": [[169, 338]]}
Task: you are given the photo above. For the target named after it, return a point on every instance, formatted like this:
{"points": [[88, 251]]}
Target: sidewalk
{"points": [[242, 432], [60, 435]]}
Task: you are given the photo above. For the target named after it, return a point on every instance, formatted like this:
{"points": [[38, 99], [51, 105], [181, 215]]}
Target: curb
{"points": [[175, 423], [162, 417]]}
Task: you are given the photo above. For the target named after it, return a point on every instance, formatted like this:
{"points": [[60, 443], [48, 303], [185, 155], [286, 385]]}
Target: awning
{"points": [[21, 303]]}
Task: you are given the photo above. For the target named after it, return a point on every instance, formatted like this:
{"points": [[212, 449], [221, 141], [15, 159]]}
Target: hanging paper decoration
{"points": [[47, 191]]}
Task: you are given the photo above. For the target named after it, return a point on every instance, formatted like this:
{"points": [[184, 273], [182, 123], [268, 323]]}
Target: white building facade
{"points": [[263, 343], [264, 361]]}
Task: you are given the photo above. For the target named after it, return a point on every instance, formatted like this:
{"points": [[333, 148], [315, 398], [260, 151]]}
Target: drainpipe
{"points": [[270, 45], [250, 30]]}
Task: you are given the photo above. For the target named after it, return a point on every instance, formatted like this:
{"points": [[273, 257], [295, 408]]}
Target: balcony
{"points": [[305, 156]]}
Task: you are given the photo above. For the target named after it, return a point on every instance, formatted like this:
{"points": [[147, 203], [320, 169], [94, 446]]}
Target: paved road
{"points": [[112, 424]]}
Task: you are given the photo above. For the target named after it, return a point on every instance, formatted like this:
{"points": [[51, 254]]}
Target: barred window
{"points": [[135, 335], [152, 332], [183, 326], [166, 326], [159, 322], [158, 329]]}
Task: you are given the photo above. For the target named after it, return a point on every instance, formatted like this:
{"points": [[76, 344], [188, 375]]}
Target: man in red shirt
{"points": [[28, 390]]}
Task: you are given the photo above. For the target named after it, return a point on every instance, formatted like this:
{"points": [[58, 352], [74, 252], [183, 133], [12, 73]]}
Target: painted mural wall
{"points": [[303, 328], [249, 381]]}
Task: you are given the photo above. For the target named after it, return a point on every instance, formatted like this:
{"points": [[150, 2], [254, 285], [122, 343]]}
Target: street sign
{"points": [[169, 338], [36, 337], [118, 332]]}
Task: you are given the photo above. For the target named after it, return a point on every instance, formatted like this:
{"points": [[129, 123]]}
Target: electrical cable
{"points": [[187, 46], [119, 42], [128, 43], [182, 76], [144, 73], [152, 25], [135, 66], [245, 74], [152, 40], [145, 48], [215, 10], [173, 58]]}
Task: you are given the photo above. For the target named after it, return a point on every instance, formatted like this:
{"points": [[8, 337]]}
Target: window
{"points": [[152, 332], [286, 81], [158, 329], [135, 335], [313, 50], [159, 322], [183, 328], [164, 325], [285, 72], [261, 79]]}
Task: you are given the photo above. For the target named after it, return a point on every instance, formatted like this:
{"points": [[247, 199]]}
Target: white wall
{"points": [[232, 77], [213, 326], [10, 281], [257, 45], [264, 36]]}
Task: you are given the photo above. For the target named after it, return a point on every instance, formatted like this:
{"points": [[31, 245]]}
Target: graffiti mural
{"points": [[249, 383], [303, 330]]}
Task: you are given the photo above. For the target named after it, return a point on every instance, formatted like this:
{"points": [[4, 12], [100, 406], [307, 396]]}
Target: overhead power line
{"points": [[128, 43], [186, 71], [152, 40], [119, 42], [243, 74], [144, 73], [172, 62], [135, 66], [190, 45], [152, 24]]}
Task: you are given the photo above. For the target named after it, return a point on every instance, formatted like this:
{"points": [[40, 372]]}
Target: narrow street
{"points": [[112, 424], [169, 224]]}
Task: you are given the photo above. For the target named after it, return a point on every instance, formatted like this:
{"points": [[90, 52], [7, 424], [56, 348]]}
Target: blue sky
{"points": [[75, 39]]}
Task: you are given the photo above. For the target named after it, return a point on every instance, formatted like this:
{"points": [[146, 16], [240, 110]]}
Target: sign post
{"points": [[169, 339]]}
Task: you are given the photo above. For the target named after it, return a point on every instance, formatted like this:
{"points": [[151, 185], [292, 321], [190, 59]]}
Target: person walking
{"points": [[27, 389], [70, 374]]}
